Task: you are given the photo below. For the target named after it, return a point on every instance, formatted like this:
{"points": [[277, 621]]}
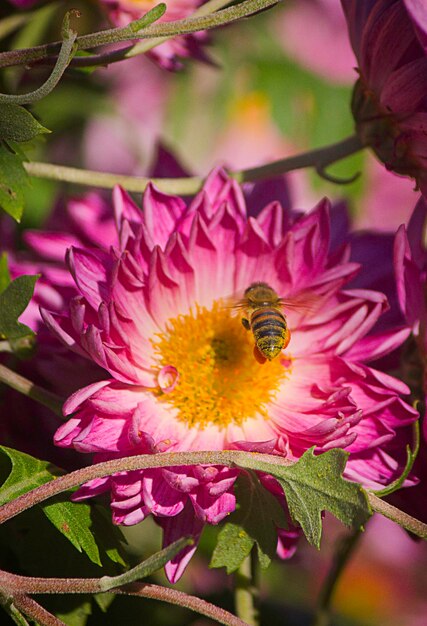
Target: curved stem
{"points": [[229, 458], [54, 78], [28, 585], [128, 33], [320, 157], [342, 555], [113, 56], [27, 388], [246, 591]]}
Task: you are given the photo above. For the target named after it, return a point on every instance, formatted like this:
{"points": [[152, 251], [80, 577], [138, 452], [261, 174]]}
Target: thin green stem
{"points": [[345, 549], [113, 56], [28, 388], [246, 592], [144, 46], [128, 33], [65, 54], [318, 158]]}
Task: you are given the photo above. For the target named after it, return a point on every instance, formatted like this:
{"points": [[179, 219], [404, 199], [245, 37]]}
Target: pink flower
{"points": [[154, 312], [390, 97], [168, 54]]}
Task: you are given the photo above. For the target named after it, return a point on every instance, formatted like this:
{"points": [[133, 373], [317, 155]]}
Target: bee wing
{"points": [[303, 302], [236, 301]]}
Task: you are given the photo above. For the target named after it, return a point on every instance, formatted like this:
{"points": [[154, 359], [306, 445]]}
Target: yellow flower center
{"points": [[219, 380]]}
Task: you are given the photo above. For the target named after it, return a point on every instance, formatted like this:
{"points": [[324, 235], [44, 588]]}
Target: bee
{"points": [[264, 317]]}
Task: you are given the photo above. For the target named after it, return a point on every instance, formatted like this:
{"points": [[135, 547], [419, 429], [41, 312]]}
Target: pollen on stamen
{"points": [[220, 382]]}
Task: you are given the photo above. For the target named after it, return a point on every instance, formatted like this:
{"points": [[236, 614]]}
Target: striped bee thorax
{"points": [[270, 330]]}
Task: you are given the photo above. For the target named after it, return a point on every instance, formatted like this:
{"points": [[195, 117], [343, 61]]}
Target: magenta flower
{"points": [[169, 53], [390, 97], [154, 312]]}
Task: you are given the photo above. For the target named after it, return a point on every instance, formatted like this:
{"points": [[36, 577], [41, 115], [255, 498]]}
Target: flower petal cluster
{"points": [[156, 312], [169, 53], [390, 97], [410, 260]]}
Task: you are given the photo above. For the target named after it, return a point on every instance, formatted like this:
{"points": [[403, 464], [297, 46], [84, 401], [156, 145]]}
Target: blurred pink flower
{"points": [[123, 141], [326, 51], [387, 200], [86, 221], [390, 97], [183, 375], [169, 53]]}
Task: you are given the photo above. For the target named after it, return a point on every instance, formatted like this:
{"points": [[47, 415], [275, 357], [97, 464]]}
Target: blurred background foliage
{"points": [[255, 102]]}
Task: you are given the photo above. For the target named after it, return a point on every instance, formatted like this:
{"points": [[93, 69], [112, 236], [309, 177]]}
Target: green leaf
{"points": [[17, 124], [13, 302], [315, 484], [13, 182], [73, 520], [4, 272], [109, 537], [146, 568], [255, 521]]}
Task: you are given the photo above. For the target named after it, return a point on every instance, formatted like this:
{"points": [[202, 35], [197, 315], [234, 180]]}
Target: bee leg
{"points": [[246, 323], [258, 356]]}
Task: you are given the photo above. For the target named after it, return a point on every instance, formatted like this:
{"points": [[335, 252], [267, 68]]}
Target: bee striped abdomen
{"points": [[270, 330]]}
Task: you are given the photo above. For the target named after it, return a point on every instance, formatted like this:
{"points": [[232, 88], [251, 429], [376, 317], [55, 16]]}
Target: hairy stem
{"points": [[342, 556], [20, 585], [408, 522], [32, 609], [229, 458], [128, 33], [27, 388], [246, 592], [319, 159], [105, 58], [65, 54]]}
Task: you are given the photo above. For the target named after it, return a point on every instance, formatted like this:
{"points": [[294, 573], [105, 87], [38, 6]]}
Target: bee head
{"points": [[258, 293]]}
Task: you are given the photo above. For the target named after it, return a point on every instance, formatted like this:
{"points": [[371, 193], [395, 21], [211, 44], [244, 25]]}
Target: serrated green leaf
{"points": [[4, 272], [13, 302], [13, 182], [17, 124], [73, 520], [255, 521], [315, 484]]}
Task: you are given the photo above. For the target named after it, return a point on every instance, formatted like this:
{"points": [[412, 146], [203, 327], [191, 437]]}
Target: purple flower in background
{"points": [[390, 97]]}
